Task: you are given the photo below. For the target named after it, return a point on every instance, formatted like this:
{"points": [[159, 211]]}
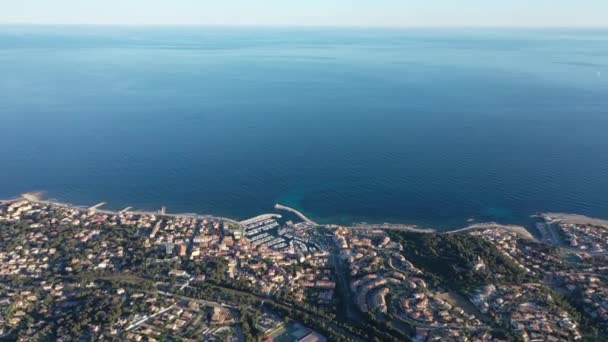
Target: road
{"points": [[203, 301], [333, 325], [352, 313], [146, 318], [172, 295], [549, 234]]}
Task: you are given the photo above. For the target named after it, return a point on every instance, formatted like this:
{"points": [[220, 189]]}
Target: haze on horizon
{"points": [[391, 13]]}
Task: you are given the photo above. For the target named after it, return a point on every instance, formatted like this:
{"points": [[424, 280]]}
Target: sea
{"points": [[437, 127]]}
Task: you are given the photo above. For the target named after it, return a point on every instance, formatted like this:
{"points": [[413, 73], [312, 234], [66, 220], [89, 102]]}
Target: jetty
{"points": [[296, 212], [97, 206]]}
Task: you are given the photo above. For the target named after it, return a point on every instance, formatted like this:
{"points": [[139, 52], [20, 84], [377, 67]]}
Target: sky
{"points": [[401, 13]]}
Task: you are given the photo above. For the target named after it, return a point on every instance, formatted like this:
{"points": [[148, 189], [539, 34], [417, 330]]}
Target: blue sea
{"points": [[427, 126]]}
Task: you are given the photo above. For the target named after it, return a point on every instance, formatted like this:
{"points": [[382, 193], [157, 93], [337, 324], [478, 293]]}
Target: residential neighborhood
{"points": [[152, 276]]}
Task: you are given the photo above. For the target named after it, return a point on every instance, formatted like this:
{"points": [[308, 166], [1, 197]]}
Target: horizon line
{"points": [[245, 25]]}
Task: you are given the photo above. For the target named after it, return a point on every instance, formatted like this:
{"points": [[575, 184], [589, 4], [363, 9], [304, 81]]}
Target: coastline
{"points": [[36, 197], [572, 218], [519, 230]]}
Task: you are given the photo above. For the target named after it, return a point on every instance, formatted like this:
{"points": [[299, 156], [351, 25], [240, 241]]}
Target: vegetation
{"points": [[448, 259], [312, 316]]}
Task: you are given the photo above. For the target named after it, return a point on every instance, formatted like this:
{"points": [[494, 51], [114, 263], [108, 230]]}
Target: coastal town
{"points": [[71, 273]]}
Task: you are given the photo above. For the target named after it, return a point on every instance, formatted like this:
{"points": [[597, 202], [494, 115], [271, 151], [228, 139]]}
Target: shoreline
{"points": [[521, 230], [572, 218], [36, 197]]}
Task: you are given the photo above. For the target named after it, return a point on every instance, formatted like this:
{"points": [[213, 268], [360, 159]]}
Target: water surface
{"points": [[431, 126]]}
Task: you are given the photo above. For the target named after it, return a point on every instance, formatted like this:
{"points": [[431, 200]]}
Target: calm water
{"points": [[421, 126]]}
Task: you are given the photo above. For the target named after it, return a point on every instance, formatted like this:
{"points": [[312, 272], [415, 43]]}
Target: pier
{"points": [[97, 206], [294, 211], [259, 218]]}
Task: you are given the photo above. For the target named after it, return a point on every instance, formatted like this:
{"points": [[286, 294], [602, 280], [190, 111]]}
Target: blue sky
{"points": [[309, 12]]}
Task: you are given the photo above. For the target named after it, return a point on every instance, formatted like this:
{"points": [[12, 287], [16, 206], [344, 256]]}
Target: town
{"points": [[70, 272]]}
